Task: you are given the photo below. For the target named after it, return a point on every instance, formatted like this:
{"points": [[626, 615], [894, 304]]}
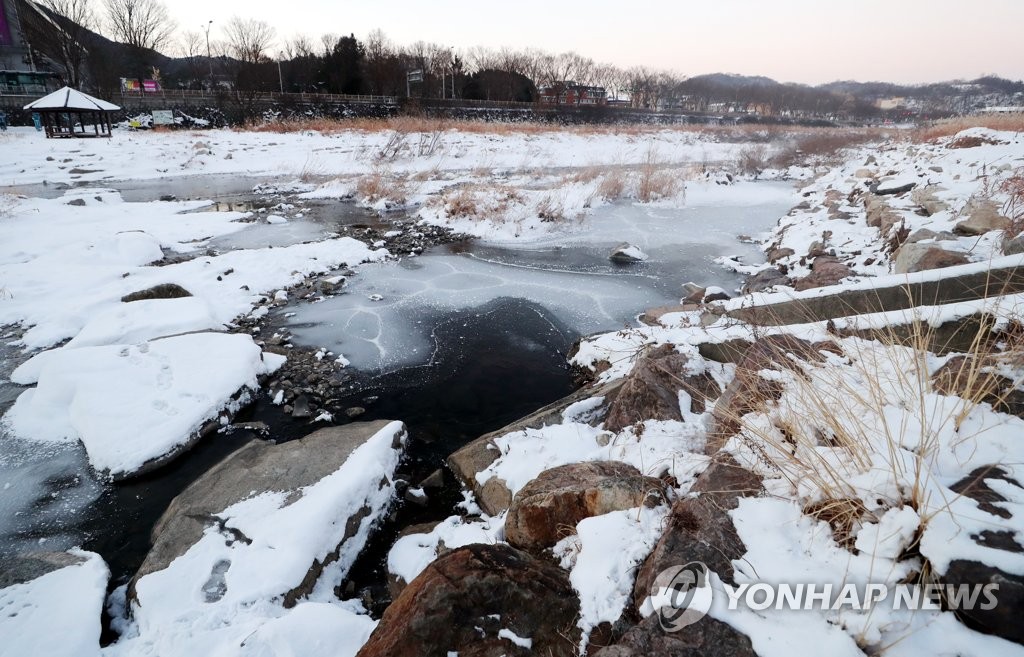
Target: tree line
{"points": [[101, 41]]}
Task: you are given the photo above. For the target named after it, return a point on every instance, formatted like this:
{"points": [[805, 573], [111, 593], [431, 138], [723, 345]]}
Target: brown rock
{"points": [[982, 216], [450, 606], [549, 507], [651, 390], [765, 279], [705, 638], [916, 257], [699, 528], [777, 254], [825, 271], [494, 497], [971, 378], [162, 291]]}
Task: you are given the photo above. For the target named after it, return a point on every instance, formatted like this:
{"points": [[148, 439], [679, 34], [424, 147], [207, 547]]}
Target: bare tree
{"points": [[65, 38], [142, 24], [249, 40]]}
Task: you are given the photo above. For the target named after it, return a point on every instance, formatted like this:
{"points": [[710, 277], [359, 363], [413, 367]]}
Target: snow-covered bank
{"points": [[148, 155]]}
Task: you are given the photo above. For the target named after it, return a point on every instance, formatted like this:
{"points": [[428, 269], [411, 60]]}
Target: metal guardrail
{"points": [[172, 94]]}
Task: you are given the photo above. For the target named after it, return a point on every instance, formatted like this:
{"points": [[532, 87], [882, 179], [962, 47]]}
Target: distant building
{"points": [[21, 72], [571, 93], [890, 103]]}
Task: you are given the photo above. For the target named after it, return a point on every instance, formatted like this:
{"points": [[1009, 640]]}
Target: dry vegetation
{"points": [[382, 185], [834, 424], [949, 127]]}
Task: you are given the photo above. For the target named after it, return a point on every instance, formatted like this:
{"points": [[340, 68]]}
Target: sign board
{"points": [[163, 117], [416, 76], [131, 85]]}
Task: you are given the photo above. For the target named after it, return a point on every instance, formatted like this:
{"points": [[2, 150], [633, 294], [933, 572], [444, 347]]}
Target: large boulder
{"points": [[825, 270], [475, 457], [977, 379], [550, 506], [651, 390], [916, 257], [1003, 620], [699, 527], [255, 468], [481, 601], [705, 638], [982, 216]]}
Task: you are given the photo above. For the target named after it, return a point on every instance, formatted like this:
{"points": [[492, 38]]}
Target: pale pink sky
{"points": [[809, 41]]}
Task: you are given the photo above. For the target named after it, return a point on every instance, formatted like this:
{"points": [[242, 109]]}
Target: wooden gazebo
{"points": [[70, 113]]}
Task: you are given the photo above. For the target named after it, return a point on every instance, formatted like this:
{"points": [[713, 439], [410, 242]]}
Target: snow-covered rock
{"points": [[135, 407], [57, 614]]}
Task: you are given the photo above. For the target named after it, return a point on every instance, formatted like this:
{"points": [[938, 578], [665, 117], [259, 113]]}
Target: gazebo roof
{"points": [[68, 99]]}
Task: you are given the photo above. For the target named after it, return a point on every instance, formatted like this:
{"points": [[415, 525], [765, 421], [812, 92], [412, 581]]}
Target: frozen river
{"points": [[459, 341]]}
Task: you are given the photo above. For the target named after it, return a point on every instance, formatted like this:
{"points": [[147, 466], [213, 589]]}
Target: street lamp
{"points": [[208, 58]]}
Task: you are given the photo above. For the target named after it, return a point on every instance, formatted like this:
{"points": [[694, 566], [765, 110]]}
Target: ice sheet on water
{"points": [[713, 214], [396, 329], [260, 235], [42, 488]]}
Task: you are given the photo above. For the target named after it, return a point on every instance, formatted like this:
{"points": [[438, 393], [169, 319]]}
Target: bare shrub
{"points": [[393, 147], [461, 204], [313, 169], [550, 209], [753, 159]]}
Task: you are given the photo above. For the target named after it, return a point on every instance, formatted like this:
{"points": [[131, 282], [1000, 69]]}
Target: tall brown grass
{"points": [[949, 127]]}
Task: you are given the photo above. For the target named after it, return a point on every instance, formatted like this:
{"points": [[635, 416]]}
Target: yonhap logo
{"points": [[681, 595]]}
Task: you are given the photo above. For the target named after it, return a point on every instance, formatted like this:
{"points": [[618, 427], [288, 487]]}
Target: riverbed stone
{"points": [[765, 279], [258, 466], [162, 291], [494, 495], [463, 600], [626, 253], [548, 508], [651, 390], [825, 271]]}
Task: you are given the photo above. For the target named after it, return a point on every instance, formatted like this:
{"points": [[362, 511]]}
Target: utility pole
{"points": [[208, 58], [280, 78]]}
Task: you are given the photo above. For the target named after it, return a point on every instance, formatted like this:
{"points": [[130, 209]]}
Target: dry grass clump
{"points": [[833, 425], [481, 202], [380, 185], [824, 146], [612, 185], [949, 127], [654, 181]]}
